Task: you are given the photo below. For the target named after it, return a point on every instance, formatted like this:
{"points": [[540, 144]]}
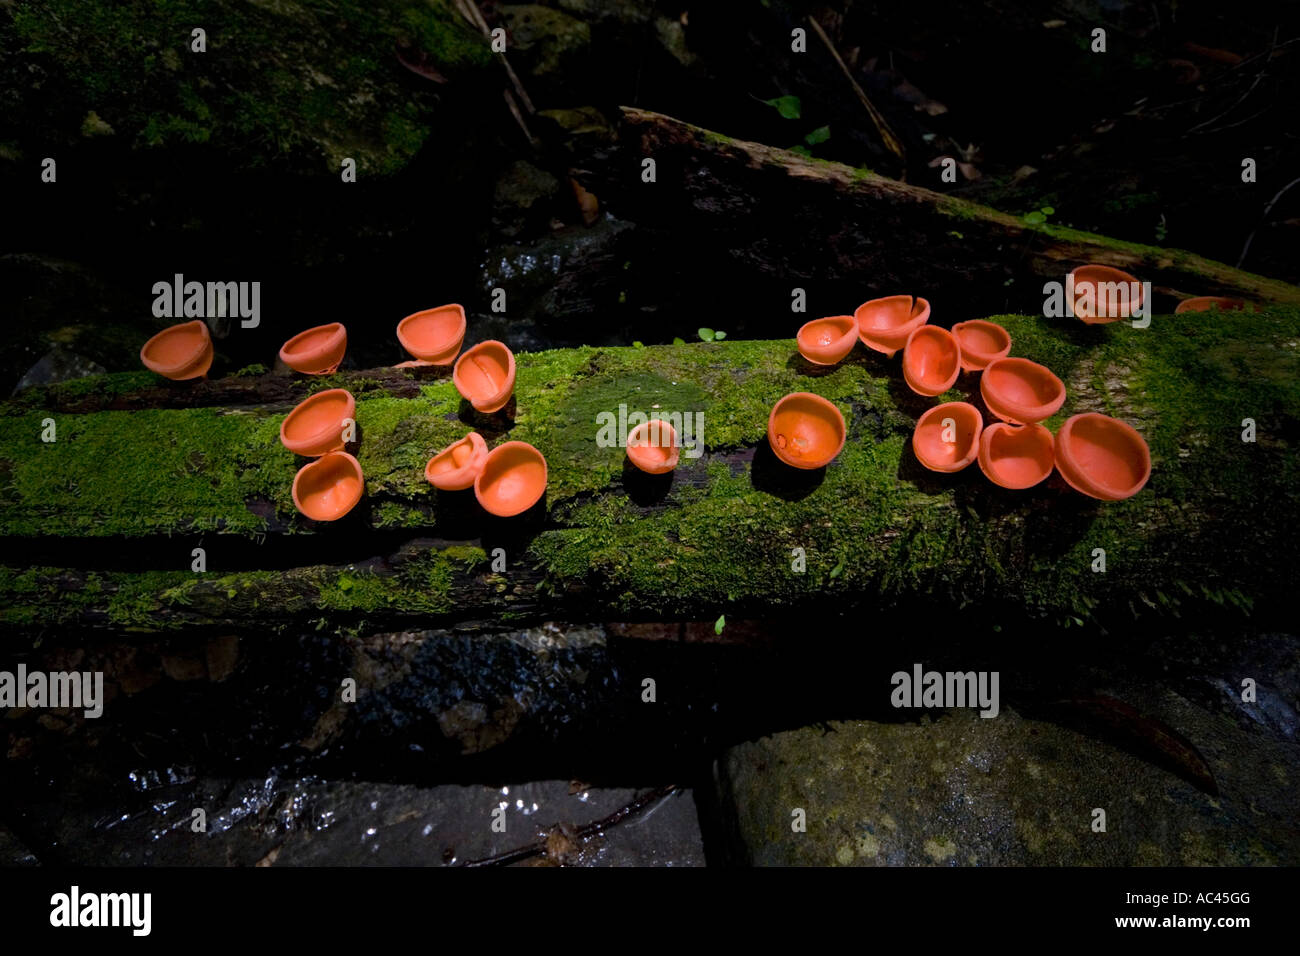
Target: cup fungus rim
{"points": [[817, 401], [975, 361], [459, 338], [1022, 414], [821, 354], [329, 343], [989, 435], [500, 450], [324, 461], [295, 443], [454, 480], [966, 408], [1076, 476], [194, 360], [497, 399], [944, 336], [897, 334], [650, 467], [1117, 275]]}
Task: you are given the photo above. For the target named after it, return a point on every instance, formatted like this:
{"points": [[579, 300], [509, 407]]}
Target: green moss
{"points": [[721, 534], [325, 70]]}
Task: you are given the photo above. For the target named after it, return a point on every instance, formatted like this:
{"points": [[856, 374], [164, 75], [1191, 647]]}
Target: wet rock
{"points": [[631, 12], [307, 821], [1012, 790], [524, 199], [12, 851], [585, 127], [58, 365], [565, 284], [548, 42]]}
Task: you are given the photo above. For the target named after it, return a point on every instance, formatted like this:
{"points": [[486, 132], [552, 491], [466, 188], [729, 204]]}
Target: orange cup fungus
{"points": [[981, 342], [805, 430], [827, 341], [456, 466], [317, 351], [947, 436], [1102, 457], [179, 352], [652, 447], [1016, 456], [931, 360], [485, 375], [1020, 391], [316, 425], [513, 479], [1204, 303], [329, 487], [884, 324], [433, 336], [1104, 294]]}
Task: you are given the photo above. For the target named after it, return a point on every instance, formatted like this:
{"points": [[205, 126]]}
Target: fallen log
{"points": [[806, 221], [110, 511]]}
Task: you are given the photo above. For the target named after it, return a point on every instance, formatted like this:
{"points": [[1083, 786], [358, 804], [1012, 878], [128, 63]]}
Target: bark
{"points": [[780, 214]]}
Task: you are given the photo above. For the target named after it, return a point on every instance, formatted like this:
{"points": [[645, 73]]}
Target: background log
{"points": [[844, 231]]}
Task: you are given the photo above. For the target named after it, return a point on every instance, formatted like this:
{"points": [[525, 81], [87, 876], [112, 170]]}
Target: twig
{"points": [[1263, 219], [585, 832], [891, 141], [1258, 77], [470, 11]]}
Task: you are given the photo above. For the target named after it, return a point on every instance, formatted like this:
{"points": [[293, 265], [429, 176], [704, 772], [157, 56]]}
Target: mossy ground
{"points": [[876, 526], [267, 83]]}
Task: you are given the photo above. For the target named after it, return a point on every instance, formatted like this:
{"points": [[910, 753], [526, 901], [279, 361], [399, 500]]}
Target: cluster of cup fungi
{"points": [[1097, 455]]}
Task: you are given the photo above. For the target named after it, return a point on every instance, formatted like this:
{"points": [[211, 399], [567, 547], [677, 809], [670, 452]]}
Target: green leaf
{"points": [[955, 234], [719, 336], [678, 340], [1035, 218], [345, 583], [787, 106], [801, 149], [820, 135], [837, 570], [638, 345], [719, 624], [705, 335], [1047, 210]]}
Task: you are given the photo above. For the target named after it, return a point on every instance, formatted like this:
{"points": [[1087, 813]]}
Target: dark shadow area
{"points": [[491, 425], [772, 475], [643, 488]]}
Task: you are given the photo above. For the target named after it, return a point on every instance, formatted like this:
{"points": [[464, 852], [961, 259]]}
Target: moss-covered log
{"points": [[781, 214], [112, 508]]}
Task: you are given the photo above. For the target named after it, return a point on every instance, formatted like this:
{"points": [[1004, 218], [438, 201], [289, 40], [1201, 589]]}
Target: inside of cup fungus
{"points": [[511, 477], [484, 372], [823, 333], [803, 428], [939, 448], [177, 346], [653, 442], [434, 330], [889, 312], [1107, 453], [931, 355], [311, 340], [453, 459], [329, 485], [1020, 456], [982, 338], [1021, 383], [322, 413]]}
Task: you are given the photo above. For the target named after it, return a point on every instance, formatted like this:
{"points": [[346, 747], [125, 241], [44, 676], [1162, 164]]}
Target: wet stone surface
{"points": [[307, 821], [951, 788]]}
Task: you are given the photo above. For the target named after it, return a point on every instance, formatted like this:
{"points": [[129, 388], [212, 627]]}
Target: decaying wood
{"points": [[782, 214]]}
